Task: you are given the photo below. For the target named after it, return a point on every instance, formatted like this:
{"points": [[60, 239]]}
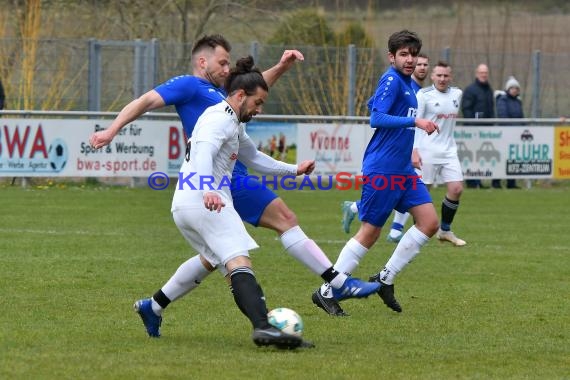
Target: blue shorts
{"points": [[386, 192], [250, 197]]}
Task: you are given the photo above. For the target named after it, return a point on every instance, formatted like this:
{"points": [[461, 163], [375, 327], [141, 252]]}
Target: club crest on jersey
{"points": [[233, 156]]}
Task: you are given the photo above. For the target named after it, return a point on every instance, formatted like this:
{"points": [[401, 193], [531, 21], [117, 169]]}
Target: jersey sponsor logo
{"points": [[446, 116]]}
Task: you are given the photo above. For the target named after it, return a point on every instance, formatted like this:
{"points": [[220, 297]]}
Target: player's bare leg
{"points": [[281, 219]]}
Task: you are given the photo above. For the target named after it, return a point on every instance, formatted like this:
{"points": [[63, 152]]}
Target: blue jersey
{"points": [[393, 110], [415, 86], [191, 95]]}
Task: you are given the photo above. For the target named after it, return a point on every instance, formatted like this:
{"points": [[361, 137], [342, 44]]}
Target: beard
{"points": [[244, 116]]}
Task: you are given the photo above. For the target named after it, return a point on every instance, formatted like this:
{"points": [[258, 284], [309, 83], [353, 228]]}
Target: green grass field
{"points": [[74, 258]]}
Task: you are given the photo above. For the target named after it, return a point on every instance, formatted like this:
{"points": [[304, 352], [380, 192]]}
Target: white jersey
{"points": [[442, 108], [218, 125]]}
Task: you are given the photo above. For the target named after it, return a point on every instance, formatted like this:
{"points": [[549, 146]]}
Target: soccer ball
{"points": [[57, 155], [286, 320]]}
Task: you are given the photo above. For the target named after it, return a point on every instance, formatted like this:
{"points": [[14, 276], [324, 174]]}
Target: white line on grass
{"points": [[55, 232]]}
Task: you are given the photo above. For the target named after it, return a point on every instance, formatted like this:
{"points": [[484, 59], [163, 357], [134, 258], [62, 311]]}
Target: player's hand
{"points": [[290, 56], [213, 201], [306, 167], [416, 159], [427, 125], [101, 138]]}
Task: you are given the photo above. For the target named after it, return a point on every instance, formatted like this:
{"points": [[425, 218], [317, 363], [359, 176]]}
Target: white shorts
{"points": [[449, 171], [219, 237]]}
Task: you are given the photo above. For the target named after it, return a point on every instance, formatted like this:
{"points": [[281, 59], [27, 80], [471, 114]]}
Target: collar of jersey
{"points": [[230, 111]]}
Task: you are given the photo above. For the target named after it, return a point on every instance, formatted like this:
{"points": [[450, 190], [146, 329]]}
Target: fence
{"points": [[79, 75]]}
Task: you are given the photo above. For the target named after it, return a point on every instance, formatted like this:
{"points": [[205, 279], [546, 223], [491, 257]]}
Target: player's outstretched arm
{"points": [[132, 111], [287, 61], [261, 162], [306, 167]]}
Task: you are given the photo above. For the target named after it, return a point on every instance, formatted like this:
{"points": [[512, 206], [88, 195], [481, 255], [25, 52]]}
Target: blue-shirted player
{"points": [[393, 183], [256, 204], [349, 209]]}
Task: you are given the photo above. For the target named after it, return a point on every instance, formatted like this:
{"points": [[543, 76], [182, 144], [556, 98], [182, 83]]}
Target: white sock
{"points": [[401, 219], [305, 250], [186, 278], [350, 256], [405, 251], [347, 261], [354, 207]]}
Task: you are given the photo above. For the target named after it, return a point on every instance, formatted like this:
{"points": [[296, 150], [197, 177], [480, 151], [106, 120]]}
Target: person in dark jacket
{"points": [[2, 96], [509, 105], [478, 103]]}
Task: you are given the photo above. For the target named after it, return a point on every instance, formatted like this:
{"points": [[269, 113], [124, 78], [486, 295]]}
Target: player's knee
{"points": [[279, 217], [430, 226], [288, 218], [367, 234], [209, 267], [454, 191]]}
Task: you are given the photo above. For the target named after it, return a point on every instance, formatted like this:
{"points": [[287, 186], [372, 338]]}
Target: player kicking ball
{"points": [[207, 219]]}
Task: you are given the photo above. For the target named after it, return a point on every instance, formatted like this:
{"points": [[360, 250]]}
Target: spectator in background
{"points": [[2, 96], [509, 105], [478, 103], [281, 147], [272, 145]]}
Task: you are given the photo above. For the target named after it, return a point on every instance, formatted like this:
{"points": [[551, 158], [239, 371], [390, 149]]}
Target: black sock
{"points": [[329, 274], [249, 297], [448, 210], [161, 299], [238, 305]]}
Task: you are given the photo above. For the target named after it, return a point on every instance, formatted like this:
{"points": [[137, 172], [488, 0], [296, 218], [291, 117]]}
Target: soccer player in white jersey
{"points": [[202, 206], [437, 153], [256, 204], [217, 141]]}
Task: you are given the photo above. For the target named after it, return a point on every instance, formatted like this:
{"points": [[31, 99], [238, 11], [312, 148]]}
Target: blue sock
{"points": [[397, 226]]}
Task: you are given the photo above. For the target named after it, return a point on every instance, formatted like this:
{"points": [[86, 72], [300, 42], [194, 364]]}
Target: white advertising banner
{"points": [[60, 148], [52, 147], [484, 152], [505, 151], [334, 147]]}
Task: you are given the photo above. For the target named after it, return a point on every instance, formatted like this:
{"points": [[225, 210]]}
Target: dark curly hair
{"points": [[245, 76]]}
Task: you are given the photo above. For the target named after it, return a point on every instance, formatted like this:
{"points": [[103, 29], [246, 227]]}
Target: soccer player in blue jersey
{"points": [[392, 181], [255, 204], [350, 208]]}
